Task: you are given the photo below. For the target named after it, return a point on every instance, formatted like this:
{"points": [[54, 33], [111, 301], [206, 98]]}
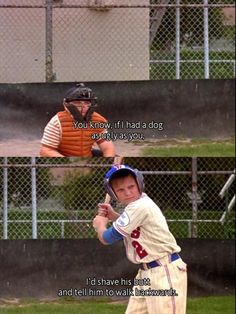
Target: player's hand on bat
{"points": [[100, 222], [99, 225], [106, 210]]}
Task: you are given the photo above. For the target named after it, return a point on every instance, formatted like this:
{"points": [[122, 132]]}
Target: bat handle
{"points": [[107, 199], [102, 215], [117, 160]]}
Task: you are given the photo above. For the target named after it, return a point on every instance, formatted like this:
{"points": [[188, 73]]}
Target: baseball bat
{"points": [[117, 160]]}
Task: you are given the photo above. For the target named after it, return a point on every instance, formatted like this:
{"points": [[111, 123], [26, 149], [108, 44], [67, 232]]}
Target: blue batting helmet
{"points": [[125, 169]]}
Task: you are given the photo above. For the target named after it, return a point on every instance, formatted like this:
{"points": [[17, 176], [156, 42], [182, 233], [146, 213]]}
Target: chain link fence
{"points": [[57, 197], [109, 40]]}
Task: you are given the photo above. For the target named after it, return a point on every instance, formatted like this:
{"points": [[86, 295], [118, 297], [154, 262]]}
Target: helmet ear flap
{"points": [[140, 180], [109, 189]]}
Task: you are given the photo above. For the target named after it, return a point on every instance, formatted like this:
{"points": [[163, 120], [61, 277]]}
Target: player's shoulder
{"points": [[144, 202], [54, 121], [97, 117], [144, 198]]}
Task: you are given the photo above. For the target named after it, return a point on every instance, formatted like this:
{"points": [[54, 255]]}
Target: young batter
{"points": [[148, 242]]}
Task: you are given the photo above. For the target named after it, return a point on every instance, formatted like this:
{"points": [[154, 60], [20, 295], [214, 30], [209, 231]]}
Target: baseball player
{"points": [[72, 132], [162, 276]]}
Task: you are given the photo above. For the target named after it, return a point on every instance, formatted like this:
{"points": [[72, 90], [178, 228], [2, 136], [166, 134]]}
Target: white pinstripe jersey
{"points": [[145, 230]]}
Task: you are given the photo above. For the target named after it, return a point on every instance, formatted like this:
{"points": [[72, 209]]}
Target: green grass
{"points": [[211, 305], [199, 148], [220, 70], [83, 308], [207, 305]]}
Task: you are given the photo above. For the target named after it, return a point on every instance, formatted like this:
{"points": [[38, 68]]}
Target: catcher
{"points": [[71, 132], [148, 242]]}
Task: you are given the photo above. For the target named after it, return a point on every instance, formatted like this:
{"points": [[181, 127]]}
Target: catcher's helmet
{"points": [[80, 92], [125, 169]]}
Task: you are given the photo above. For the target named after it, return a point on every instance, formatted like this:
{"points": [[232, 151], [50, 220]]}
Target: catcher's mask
{"points": [[124, 169], [80, 93]]}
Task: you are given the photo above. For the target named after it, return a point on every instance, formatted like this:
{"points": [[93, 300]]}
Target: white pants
{"points": [[166, 286]]}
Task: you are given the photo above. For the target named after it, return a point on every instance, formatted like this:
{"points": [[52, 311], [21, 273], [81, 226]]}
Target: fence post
{"points": [[48, 44], [194, 197], [5, 200], [62, 230], [206, 41], [177, 41], [189, 229], [34, 198]]}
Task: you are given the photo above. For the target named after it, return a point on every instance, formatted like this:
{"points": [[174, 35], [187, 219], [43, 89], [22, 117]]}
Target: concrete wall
{"points": [[22, 53], [191, 108], [40, 268], [90, 45]]}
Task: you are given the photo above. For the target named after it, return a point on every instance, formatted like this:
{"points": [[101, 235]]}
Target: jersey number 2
{"points": [[138, 247]]}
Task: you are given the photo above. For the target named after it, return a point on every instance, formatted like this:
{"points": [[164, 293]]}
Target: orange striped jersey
{"points": [[71, 138]]}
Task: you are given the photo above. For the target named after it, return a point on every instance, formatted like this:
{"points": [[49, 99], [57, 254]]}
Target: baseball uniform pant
{"points": [[167, 289]]}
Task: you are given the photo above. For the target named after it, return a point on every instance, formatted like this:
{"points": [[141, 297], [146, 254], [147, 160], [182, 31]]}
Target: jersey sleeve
{"points": [[111, 235], [52, 133], [133, 217], [101, 140]]}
